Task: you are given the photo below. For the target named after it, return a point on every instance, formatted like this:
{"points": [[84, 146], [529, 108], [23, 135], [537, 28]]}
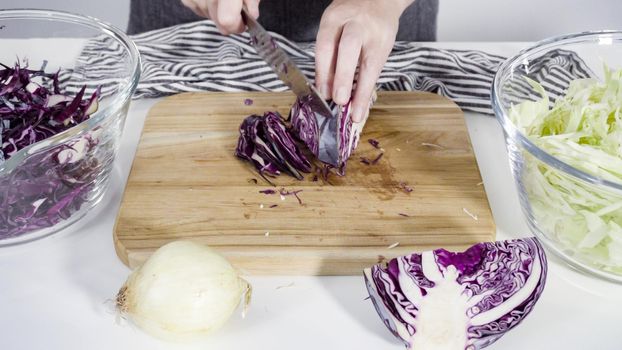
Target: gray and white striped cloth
{"points": [[196, 57]]}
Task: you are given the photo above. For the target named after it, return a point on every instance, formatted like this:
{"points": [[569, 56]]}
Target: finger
{"points": [[194, 7], [326, 45], [348, 53], [253, 8], [204, 7], [229, 16], [212, 10], [369, 71]]}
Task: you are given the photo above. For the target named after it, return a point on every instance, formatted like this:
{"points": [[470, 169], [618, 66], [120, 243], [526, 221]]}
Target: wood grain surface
{"points": [[185, 183]]}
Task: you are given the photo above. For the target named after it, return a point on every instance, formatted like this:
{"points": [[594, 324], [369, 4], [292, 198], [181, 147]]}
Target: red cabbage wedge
{"points": [[440, 300], [305, 127]]}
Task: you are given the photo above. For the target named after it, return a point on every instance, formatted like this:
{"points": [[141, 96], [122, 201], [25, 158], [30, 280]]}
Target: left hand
{"points": [[355, 33]]}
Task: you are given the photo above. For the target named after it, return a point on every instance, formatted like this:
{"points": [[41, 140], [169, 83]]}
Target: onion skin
{"points": [[184, 291]]}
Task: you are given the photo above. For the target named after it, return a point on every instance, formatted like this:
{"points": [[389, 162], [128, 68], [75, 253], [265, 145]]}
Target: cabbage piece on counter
{"points": [[440, 300]]}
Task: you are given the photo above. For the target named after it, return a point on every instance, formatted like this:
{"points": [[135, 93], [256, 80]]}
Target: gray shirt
{"points": [[298, 20]]}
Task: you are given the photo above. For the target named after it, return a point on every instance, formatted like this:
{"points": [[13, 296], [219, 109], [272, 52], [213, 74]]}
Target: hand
{"points": [[227, 14], [355, 32]]}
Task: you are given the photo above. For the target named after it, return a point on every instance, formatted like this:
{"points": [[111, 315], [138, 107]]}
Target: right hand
{"points": [[227, 14]]}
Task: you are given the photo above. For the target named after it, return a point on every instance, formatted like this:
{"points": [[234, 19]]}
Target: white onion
{"points": [[183, 291]]}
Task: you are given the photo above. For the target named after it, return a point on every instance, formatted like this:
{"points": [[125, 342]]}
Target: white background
{"points": [[459, 20]]}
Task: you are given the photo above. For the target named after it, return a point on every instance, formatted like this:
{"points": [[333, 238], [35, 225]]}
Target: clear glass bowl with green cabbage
{"points": [[564, 139]]}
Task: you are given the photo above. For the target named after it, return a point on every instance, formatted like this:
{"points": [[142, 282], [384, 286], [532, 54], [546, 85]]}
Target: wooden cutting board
{"points": [[185, 183]]}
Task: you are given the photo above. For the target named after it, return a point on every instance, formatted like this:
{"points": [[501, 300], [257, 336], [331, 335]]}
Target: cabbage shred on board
{"points": [[584, 130], [440, 300]]}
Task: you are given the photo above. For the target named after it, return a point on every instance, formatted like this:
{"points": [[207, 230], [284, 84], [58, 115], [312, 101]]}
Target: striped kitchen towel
{"points": [[196, 57]]}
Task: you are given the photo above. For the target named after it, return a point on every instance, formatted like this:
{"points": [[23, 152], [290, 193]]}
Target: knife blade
{"points": [[285, 68]]}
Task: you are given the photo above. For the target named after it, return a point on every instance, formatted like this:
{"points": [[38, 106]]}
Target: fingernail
{"points": [[342, 95], [324, 91]]}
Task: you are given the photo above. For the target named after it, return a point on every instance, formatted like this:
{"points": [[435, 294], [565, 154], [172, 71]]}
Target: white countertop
{"points": [[56, 293]]}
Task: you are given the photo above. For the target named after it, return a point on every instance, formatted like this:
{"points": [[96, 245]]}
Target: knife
{"points": [[293, 77]]}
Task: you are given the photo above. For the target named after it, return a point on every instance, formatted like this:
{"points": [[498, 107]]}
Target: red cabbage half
{"points": [[439, 300]]}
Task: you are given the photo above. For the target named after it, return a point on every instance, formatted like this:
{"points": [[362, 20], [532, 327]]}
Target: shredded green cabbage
{"points": [[584, 130]]}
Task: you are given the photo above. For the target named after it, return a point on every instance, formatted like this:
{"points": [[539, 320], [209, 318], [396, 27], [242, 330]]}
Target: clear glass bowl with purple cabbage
{"points": [[61, 119], [560, 105]]}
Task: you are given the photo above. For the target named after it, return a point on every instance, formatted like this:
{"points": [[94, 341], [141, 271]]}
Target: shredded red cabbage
{"points": [[252, 148], [265, 142], [283, 192], [375, 143], [404, 187], [50, 186], [32, 108], [377, 159], [47, 188], [269, 144], [284, 144]]}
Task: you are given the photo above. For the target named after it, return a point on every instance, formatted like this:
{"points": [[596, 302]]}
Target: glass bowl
{"points": [[50, 184], [543, 180]]}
